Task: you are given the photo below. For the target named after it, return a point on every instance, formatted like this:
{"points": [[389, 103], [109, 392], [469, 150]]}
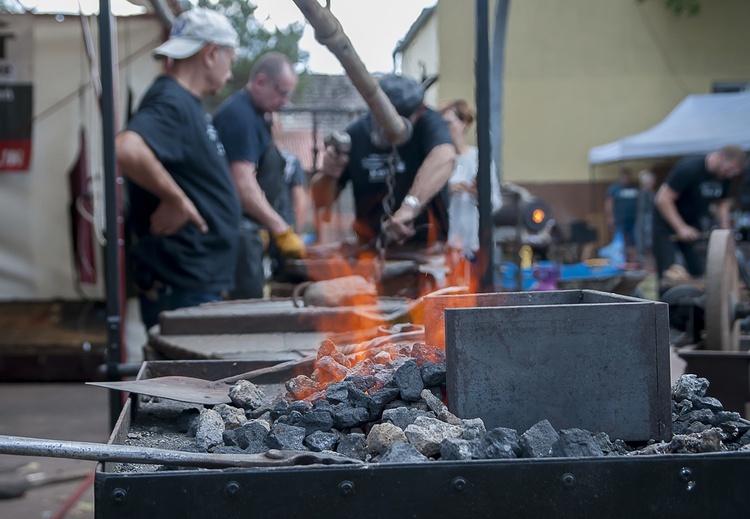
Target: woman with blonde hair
{"points": [[463, 215]]}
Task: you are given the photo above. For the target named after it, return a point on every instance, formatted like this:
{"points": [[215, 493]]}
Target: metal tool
{"points": [[196, 390], [207, 392], [199, 391], [341, 142], [22, 446]]}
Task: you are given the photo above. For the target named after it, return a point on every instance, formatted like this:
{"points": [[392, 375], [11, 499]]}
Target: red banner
{"points": [[15, 155], [16, 92]]}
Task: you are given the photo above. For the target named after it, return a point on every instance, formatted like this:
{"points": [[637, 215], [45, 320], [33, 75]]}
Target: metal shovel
{"points": [[199, 391]]}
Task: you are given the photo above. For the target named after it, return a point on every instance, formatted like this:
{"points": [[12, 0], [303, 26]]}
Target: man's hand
{"points": [[173, 214], [400, 227], [290, 244], [688, 234], [334, 162]]}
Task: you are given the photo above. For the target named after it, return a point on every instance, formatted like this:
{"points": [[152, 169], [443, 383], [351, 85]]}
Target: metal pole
{"points": [[112, 184], [481, 69]]}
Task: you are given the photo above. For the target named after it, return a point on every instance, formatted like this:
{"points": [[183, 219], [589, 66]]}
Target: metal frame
{"points": [[700, 485]]}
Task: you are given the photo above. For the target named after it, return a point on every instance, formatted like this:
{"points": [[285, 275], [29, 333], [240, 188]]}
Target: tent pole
{"points": [[112, 184]]}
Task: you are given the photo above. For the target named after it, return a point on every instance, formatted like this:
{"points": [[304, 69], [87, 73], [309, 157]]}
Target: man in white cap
{"points": [[184, 209]]}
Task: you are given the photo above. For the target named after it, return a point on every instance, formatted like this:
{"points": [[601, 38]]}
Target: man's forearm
{"points": [[434, 173], [140, 165], [668, 210], [254, 201]]}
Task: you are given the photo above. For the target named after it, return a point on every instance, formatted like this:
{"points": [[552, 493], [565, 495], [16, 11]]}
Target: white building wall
{"points": [[36, 257]]}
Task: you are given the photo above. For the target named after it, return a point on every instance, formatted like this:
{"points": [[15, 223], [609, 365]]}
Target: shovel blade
{"points": [[182, 389]]}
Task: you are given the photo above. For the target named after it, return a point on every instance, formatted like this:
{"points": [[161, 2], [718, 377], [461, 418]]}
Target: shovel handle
{"points": [[23, 446]]}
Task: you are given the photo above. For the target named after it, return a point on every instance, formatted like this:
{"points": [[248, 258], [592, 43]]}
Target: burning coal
{"points": [[395, 414]]}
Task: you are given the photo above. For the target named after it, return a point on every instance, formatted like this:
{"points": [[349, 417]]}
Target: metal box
{"points": [[578, 358]]}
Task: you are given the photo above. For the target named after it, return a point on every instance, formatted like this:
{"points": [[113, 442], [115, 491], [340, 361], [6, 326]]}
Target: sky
{"points": [[373, 26]]}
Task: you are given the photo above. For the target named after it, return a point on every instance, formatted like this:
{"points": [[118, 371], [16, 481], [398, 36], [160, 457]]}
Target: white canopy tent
{"points": [[699, 124]]}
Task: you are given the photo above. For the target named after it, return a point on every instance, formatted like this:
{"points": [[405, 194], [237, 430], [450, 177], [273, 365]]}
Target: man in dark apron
{"points": [[257, 167]]}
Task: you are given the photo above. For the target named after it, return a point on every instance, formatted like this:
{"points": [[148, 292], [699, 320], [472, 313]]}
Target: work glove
{"points": [[290, 244]]}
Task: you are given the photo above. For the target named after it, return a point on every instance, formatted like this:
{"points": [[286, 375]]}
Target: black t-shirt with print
{"points": [[246, 136], [173, 124], [697, 189], [368, 169]]}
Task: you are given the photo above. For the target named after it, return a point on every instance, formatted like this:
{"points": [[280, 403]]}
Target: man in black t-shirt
{"points": [[184, 209], [620, 206], [243, 122], [420, 169], [683, 201]]}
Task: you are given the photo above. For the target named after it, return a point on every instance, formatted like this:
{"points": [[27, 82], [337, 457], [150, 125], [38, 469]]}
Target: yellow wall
{"points": [[580, 73], [423, 56]]}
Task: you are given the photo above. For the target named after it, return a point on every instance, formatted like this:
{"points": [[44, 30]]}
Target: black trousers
{"points": [[249, 276], [665, 251]]}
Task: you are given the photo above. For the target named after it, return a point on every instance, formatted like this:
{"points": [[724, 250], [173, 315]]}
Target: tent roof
{"points": [[699, 124]]}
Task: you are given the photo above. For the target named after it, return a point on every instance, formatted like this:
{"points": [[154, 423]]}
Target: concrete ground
{"points": [[60, 411], [71, 411]]}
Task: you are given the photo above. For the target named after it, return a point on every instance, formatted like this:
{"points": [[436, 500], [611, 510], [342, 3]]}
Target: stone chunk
{"points": [[426, 434], [402, 452], [251, 437], [576, 443], [210, 430], [247, 395], [346, 416], [422, 353], [500, 443], [403, 416], [441, 411], [315, 420], [328, 370], [233, 416], [322, 441], [474, 429], [408, 379], [329, 349], [707, 402], [432, 374], [382, 436], [353, 445], [339, 392], [688, 386], [379, 399], [458, 449], [301, 386], [287, 437], [537, 441]]}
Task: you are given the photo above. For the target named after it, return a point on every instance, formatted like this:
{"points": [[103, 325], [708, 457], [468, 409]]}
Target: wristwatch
{"points": [[413, 202]]}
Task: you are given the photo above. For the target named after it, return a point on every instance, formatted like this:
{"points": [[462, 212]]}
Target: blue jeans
{"points": [[170, 298]]}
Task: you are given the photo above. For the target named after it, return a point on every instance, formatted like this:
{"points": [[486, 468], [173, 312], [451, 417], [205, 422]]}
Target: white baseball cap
{"points": [[193, 30]]}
